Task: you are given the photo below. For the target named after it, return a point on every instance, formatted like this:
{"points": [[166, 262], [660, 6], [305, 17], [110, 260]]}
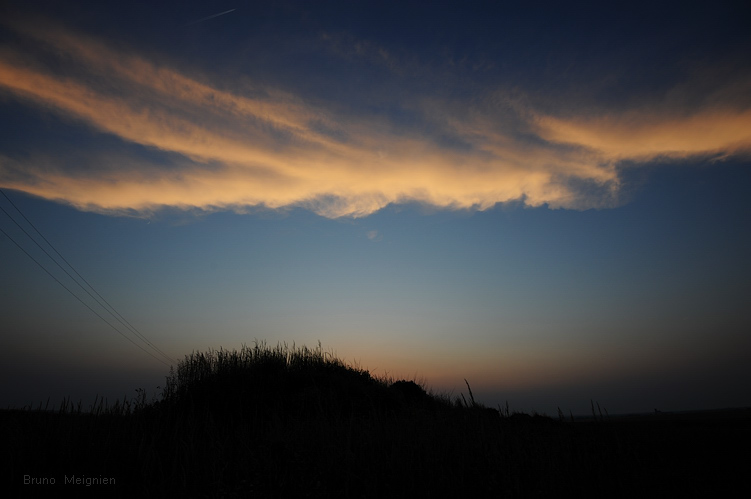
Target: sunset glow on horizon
{"points": [[550, 203]]}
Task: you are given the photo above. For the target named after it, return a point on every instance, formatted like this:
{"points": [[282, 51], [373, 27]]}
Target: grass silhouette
{"points": [[287, 421]]}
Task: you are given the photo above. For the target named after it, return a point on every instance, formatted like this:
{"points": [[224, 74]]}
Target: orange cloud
{"points": [[235, 151], [645, 135]]}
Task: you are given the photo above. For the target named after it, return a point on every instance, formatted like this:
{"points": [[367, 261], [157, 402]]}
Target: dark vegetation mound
{"points": [[409, 392], [292, 384], [289, 422]]}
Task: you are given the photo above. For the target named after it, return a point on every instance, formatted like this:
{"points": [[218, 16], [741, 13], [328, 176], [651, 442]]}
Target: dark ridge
{"points": [[289, 422], [284, 383]]}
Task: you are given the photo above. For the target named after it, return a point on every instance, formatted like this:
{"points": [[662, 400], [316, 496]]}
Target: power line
{"points": [[121, 319], [136, 332], [114, 313], [77, 297]]}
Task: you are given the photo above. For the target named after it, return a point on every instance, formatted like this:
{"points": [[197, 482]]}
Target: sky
{"points": [[547, 200]]}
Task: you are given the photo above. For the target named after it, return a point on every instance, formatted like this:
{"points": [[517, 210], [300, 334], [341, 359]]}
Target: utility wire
{"points": [[114, 313], [143, 338], [121, 319], [79, 299]]}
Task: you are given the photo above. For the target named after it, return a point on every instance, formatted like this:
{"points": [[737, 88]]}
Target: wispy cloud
{"points": [[373, 235], [643, 135], [233, 149]]}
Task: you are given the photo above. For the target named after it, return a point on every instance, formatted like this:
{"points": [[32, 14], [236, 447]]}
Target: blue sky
{"points": [[549, 202]]}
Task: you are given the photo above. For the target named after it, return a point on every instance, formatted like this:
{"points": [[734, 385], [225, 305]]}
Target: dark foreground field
{"points": [[296, 423]]}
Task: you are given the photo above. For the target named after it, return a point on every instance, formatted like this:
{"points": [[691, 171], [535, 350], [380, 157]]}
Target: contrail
{"points": [[209, 17]]}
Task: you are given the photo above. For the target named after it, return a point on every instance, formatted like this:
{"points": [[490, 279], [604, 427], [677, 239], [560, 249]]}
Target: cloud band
{"points": [[248, 147]]}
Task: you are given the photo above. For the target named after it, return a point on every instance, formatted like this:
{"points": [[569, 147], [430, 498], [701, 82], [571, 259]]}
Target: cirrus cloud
{"points": [[234, 149]]}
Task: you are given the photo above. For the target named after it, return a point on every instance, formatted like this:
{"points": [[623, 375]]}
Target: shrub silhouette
{"points": [[409, 391], [296, 422], [282, 382]]}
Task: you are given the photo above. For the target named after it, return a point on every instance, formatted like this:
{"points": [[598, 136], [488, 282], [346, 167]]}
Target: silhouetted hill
{"points": [[287, 422]]}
